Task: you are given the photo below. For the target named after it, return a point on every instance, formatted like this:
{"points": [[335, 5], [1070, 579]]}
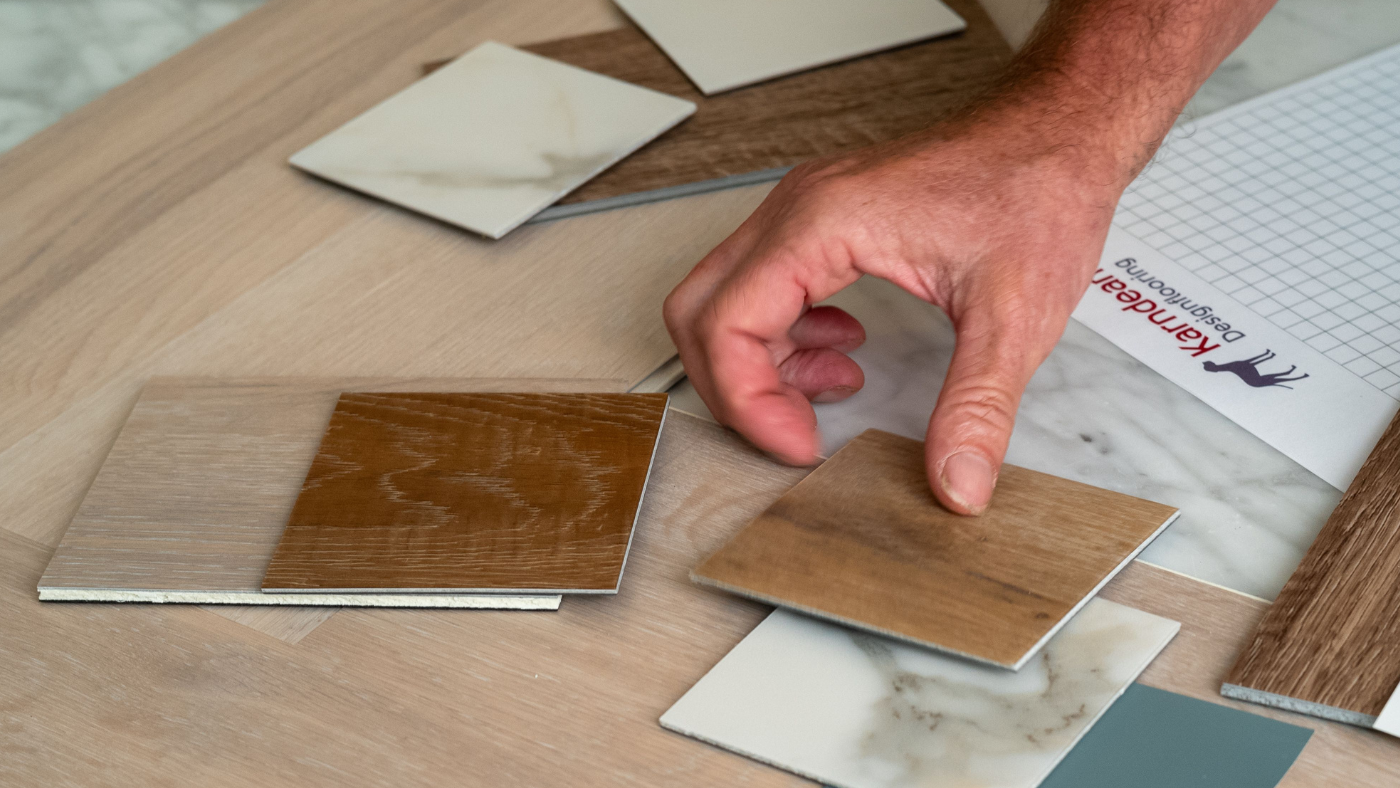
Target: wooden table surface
{"points": [[159, 231]]}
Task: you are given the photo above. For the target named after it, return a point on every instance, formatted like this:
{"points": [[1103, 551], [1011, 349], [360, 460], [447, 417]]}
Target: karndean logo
{"points": [[1247, 370]]}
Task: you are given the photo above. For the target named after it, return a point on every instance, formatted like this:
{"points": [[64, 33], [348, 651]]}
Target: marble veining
{"points": [[860, 711], [493, 137]]}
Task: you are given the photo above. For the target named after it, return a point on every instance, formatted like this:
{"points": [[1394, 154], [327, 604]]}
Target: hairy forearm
{"points": [[1109, 77]]}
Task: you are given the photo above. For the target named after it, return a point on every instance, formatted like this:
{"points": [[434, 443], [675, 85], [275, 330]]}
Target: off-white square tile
{"points": [[725, 44], [855, 710], [492, 138]]}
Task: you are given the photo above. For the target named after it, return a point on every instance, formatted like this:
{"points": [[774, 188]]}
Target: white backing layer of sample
{"points": [[1389, 719], [856, 710], [1256, 263], [726, 44], [492, 138]]}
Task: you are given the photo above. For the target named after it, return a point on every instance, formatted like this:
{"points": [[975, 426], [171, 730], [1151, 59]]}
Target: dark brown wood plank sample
{"points": [[863, 542], [480, 492], [1330, 644], [785, 121]]}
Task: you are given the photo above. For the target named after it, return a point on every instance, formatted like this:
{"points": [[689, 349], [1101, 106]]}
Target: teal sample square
{"points": [[1151, 738]]}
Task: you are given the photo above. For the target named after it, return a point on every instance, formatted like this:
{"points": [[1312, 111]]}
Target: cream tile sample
{"points": [[492, 138], [855, 710], [726, 44]]}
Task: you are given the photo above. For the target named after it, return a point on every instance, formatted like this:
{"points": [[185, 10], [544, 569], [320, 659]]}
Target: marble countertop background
{"points": [[1092, 413]]}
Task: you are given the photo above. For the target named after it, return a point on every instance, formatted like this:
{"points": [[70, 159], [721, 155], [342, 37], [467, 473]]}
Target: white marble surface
{"points": [[493, 137], [56, 55], [859, 711], [726, 44]]}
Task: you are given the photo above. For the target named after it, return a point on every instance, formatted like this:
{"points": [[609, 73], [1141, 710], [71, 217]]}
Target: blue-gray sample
{"points": [[1152, 738]]}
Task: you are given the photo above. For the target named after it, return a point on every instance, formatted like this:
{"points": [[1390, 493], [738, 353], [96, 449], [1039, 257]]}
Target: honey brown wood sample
{"points": [[789, 120], [193, 496], [1330, 644], [863, 542], [479, 492]]}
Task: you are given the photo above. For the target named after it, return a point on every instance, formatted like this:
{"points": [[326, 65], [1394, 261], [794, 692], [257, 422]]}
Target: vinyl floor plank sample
{"points": [[193, 496], [1330, 644], [526, 493], [863, 542], [788, 121]]}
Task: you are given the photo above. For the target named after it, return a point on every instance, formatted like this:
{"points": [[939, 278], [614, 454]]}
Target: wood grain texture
{"points": [[785, 121], [141, 695], [525, 492], [863, 542], [194, 495], [1330, 644], [159, 231]]}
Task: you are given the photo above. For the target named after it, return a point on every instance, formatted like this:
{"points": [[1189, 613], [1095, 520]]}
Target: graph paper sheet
{"points": [[1256, 263]]}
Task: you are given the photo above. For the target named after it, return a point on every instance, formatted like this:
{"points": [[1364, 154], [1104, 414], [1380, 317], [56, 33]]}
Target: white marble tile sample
{"points": [[726, 44], [492, 138], [856, 710]]}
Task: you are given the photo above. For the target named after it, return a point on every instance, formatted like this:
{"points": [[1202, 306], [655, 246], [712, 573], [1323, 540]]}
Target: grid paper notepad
{"points": [[1285, 208]]}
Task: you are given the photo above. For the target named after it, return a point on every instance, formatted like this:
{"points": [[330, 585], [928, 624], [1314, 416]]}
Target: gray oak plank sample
{"points": [[1330, 644], [863, 542], [195, 492], [482, 492]]}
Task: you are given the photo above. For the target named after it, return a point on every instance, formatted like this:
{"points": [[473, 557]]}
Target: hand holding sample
{"points": [[998, 216]]}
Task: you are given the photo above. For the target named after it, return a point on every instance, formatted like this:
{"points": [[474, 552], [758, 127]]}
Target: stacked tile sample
{"points": [[862, 541], [491, 139], [856, 710]]}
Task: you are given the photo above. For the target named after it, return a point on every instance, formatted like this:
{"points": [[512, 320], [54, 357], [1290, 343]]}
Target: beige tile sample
{"points": [[195, 492], [489, 140], [863, 542], [726, 44]]}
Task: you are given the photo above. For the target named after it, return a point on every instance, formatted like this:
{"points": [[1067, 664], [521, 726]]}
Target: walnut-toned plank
{"points": [[863, 542], [473, 492], [1330, 644]]}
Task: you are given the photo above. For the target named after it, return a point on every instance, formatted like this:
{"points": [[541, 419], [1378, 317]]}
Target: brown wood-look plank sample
{"points": [[863, 542], [157, 694], [1330, 644], [193, 496], [524, 492], [785, 121]]}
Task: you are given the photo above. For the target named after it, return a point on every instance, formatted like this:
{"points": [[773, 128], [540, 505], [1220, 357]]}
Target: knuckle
{"points": [[990, 407]]}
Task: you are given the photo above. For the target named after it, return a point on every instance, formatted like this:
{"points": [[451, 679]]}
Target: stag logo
{"points": [[1248, 371]]}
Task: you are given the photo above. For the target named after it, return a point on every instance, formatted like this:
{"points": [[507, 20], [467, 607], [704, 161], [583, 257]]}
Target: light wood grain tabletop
{"points": [[159, 231]]}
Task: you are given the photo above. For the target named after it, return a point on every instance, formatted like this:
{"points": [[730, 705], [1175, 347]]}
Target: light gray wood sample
{"points": [[195, 492]]}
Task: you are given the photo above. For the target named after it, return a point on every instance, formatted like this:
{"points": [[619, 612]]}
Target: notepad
{"points": [[1256, 263]]}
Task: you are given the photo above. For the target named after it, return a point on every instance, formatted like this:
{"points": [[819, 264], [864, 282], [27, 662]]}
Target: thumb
{"points": [[971, 424]]}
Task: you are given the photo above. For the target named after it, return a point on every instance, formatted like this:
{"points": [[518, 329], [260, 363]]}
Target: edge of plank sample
{"points": [[856, 710], [193, 495], [727, 44], [492, 138], [1330, 644], [757, 134], [861, 541], [473, 492]]}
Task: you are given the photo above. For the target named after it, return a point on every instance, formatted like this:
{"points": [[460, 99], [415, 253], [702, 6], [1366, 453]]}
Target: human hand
{"points": [[988, 218]]}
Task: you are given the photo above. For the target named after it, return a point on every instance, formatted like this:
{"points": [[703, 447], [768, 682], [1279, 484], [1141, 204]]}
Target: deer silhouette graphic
{"points": [[1248, 370]]}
